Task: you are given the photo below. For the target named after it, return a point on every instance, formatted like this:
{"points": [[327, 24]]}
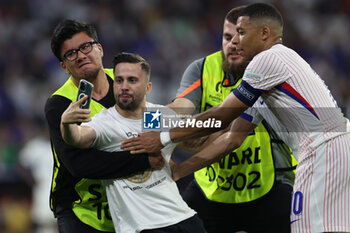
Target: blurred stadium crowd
{"points": [[169, 34]]}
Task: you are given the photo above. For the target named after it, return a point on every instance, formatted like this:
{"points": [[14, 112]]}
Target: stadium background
{"points": [[169, 34]]}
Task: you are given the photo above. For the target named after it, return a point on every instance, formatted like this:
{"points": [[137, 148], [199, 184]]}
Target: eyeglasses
{"points": [[85, 48]]}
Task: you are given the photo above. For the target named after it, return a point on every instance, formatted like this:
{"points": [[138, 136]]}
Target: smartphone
{"points": [[85, 88]]}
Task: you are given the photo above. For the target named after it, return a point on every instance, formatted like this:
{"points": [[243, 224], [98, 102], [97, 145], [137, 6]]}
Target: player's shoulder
{"points": [[268, 52], [276, 48], [272, 56]]}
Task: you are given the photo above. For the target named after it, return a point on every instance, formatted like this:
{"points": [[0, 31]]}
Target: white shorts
{"points": [[321, 196]]}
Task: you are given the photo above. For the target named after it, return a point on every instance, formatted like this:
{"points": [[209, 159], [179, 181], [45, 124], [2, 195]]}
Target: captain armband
{"points": [[246, 93]]}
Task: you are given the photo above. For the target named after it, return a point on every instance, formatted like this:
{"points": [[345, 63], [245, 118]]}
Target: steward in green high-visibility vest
{"points": [[247, 173], [78, 200], [69, 190], [252, 185], [91, 207]]}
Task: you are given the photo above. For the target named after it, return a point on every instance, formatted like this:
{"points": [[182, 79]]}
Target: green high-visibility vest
{"points": [[247, 173], [92, 207]]}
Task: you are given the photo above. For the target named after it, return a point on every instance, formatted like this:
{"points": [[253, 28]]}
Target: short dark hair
{"points": [[233, 14], [132, 58], [262, 10], [66, 29]]}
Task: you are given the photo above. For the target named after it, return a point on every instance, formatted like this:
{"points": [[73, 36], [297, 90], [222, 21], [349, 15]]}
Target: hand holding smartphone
{"points": [[85, 88]]}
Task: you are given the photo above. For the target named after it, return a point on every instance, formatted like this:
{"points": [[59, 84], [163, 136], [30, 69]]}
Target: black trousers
{"points": [[68, 223], [270, 214], [190, 225]]}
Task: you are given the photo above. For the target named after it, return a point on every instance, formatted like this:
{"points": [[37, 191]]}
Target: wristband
{"points": [[165, 138]]}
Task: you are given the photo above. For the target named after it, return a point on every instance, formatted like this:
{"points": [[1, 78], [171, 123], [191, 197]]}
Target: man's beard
{"points": [[134, 104], [237, 70]]}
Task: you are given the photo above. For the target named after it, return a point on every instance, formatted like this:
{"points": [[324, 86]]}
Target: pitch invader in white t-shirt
{"points": [[298, 99], [146, 202]]}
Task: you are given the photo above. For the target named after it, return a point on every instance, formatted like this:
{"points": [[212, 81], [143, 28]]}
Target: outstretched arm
{"points": [[226, 112], [82, 163], [73, 134], [198, 144], [184, 106], [214, 151]]}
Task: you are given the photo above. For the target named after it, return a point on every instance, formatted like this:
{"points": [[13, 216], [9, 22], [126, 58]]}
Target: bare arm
{"points": [[214, 151], [73, 134], [82, 163], [182, 106], [226, 112], [198, 144]]}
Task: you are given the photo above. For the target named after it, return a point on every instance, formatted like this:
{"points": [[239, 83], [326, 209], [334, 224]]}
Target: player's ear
{"points": [[148, 87], [265, 32]]}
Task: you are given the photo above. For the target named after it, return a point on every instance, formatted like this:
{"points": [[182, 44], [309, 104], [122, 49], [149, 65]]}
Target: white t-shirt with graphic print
{"points": [[142, 201]]}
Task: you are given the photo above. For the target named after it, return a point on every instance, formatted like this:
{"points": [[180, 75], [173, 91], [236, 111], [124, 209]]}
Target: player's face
{"points": [[130, 86], [85, 66], [232, 61], [250, 42]]}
